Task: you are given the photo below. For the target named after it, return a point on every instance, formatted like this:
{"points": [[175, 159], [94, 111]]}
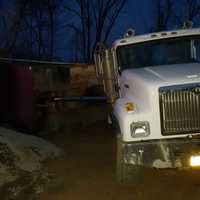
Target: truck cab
{"points": [[153, 84]]}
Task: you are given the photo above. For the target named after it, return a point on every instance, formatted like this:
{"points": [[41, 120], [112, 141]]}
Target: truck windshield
{"points": [[159, 52]]}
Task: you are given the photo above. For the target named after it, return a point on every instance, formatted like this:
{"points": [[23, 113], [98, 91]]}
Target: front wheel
{"points": [[126, 173]]}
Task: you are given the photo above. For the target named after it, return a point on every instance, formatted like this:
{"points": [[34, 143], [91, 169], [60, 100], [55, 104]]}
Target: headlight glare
{"points": [[195, 161]]}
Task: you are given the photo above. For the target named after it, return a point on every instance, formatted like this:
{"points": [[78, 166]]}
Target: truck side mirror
{"points": [[106, 72]]}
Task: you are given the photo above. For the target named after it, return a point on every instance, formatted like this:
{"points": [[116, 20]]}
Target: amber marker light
{"points": [[130, 107]]}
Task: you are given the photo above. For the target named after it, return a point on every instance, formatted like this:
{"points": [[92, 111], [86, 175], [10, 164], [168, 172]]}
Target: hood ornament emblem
{"points": [[196, 90]]}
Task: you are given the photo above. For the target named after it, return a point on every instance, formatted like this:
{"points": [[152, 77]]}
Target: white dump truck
{"points": [[153, 84]]}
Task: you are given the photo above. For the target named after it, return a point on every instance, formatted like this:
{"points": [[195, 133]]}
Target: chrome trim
{"points": [[180, 109]]}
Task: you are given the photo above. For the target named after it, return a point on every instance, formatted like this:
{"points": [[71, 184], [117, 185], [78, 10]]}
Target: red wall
{"points": [[16, 102]]}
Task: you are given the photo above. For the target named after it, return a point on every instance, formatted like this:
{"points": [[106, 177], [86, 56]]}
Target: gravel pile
{"points": [[22, 168]]}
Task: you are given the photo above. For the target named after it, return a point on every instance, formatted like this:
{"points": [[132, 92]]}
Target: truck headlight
{"points": [[195, 161], [140, 129]]}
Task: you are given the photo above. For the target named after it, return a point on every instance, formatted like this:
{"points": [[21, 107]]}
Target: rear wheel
{"points": [[126, 173]]}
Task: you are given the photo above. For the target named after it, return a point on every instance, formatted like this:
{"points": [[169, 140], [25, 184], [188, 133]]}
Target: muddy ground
{"points": [[88, 170]]}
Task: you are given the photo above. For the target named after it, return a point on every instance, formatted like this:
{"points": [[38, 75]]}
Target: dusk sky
{"points": [[140, 15]]}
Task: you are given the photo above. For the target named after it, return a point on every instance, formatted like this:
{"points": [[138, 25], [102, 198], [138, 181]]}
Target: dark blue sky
{"points": [[137, 14], [141, 15]]}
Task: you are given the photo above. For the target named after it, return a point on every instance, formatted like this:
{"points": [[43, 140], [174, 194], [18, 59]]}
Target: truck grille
{"points": [[180, 109]]}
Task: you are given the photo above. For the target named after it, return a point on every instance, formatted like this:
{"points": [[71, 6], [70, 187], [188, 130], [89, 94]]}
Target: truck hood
{"points": [[179, 73]]}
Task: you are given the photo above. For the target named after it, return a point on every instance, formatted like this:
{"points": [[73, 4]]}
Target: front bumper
{"points": [[170, 153]]}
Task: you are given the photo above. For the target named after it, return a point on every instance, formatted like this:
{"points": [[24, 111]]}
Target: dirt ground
{"points": [[88, 170]]}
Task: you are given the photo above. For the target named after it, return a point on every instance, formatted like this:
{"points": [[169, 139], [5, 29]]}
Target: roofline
{"points": [[157, 36], [44, 63]]}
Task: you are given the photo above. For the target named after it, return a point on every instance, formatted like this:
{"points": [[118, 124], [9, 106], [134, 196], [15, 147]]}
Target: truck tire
{"points": [[126, 173]]}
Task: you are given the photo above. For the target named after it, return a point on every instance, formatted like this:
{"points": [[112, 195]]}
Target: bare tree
{"points": [[168, 13], [31, 29], [96, 21], [164, 12], [193, 8], [189, 13], [53, 10], [12, 24], [3, 26], [40, 21]]}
